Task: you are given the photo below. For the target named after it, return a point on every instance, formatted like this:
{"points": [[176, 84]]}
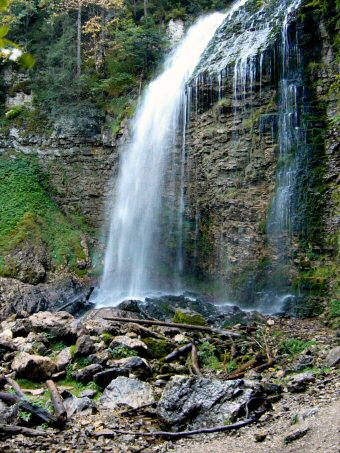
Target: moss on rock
{"points": [[189, 317]]}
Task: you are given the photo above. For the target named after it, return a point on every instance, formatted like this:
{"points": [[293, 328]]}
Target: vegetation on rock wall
{"points": [[28, 215]]}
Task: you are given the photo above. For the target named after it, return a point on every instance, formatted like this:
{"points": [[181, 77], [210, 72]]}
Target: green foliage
{"points": [[27, 384], [14, 112], [29, 215], [121, 352], [107, 338], [334, 311], [157, 348], [77, 387], [82, 362], [182, 317], [295, 346], [207, 356], [25, 416], [57, 347]]}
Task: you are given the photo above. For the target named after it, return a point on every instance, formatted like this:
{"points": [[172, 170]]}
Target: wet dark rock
{"points": [[84, 346], [20, 329], [271, 389], [196, 402], [86, 374], [124, 391], [104, 378], [300, 382], [133, 365], [130, 305], [305, 361], [88, 394], [16, 296]]}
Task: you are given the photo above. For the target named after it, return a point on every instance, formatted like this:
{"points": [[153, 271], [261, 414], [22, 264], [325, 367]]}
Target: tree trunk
{"points": [[79, 39], [145, 8]]}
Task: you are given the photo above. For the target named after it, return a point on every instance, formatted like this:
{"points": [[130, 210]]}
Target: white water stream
{"points": [[134, 238]]}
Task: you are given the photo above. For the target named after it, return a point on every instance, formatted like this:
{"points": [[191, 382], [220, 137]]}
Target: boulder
{"points": [[124, 391], [132, 344], [63, 359], [133, 365], [33, 367], [333, 357], [84, 346], [85, 374], [57, 325], [103, 378], [299, 382], [196, 402], [75, 405]]}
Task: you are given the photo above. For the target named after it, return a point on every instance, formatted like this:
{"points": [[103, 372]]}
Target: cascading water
{"points": [[135, 238], [147, 248]]}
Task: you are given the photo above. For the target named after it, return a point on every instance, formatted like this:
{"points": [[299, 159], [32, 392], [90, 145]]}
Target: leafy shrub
{"points": [[207, 357], [295, 346]]}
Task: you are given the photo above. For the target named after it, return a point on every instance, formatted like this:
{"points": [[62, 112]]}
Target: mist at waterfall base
{"points": [[149, 202]]}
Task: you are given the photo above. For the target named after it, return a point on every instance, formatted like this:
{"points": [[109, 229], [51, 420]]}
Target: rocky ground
{"points": [[279, 374]]}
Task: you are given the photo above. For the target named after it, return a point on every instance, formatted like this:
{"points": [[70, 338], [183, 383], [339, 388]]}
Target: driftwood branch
{"points": [[178, 352], [57, 401], [194, 360], [242, 369], [40, 412], [12, 430], [180, 434], [148, 322], [16, 387]]}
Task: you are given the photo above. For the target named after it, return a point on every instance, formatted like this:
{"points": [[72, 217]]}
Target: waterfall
{"points": [[149, 235], [136, 241]]}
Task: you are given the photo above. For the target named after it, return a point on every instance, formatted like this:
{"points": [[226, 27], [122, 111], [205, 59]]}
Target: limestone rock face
{"points": [[128, 392], [16, 296], [33, 367], [196, 402]]}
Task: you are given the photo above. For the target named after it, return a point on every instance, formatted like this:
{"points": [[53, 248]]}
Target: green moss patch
{"points": [[29, 215], [157, 348], [187, 317]]}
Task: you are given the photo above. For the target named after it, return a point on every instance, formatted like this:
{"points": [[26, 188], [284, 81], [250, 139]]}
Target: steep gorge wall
{"points": [[233, 159]]}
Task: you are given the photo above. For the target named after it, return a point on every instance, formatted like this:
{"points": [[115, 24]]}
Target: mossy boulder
{"points": [[157, 348], [183, 316]]}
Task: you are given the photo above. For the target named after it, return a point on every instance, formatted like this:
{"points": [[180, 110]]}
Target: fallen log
{"points": [[12, 430], [178, 353], [148, 322], [40, 412], [57, 401], [15, 386], [241, 370], [194, 359], [177, 435]]}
